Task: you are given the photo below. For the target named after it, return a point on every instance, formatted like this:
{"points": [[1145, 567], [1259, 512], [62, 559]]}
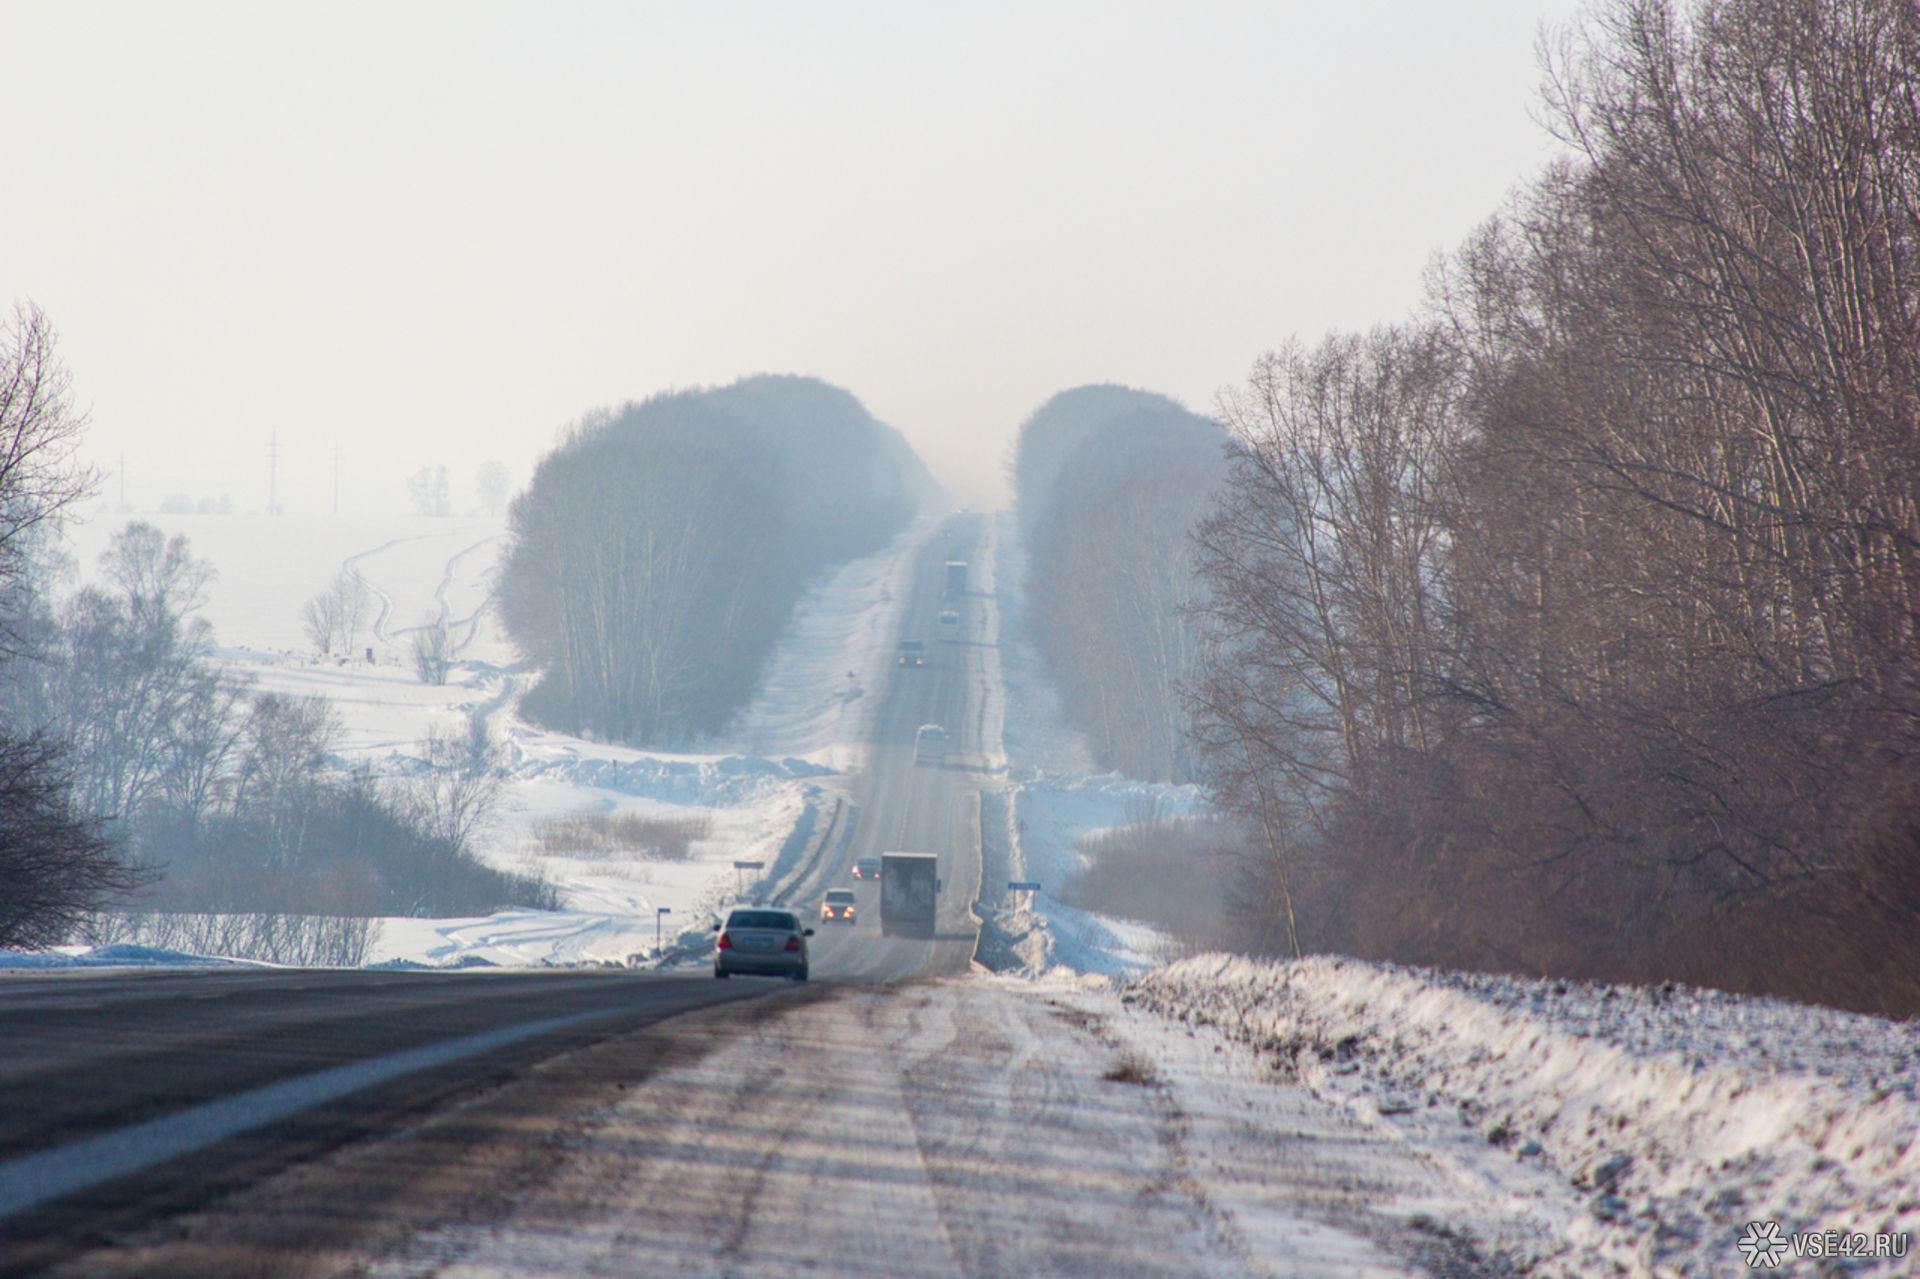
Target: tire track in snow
{"points": [[448, 573], [472, 620], [386, 600]]}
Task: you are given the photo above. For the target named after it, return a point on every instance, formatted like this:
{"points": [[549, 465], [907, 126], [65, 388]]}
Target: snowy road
{"points": [[964, 1127]]}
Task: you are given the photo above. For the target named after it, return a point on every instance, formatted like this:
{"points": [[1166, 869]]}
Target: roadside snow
{"points": [[120, 955], [1676, 1116]]}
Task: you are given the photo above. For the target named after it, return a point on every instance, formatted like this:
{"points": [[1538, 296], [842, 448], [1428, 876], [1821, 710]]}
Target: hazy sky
{"points": [[437, 232]]}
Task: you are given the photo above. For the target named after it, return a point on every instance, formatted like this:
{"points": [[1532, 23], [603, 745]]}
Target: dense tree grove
{"points": [[1108, 482], [659, 550], [1574, 628]]}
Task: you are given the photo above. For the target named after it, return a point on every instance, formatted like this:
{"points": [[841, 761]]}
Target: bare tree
{"points": [[1324, 561], [431, 645], [125, 664], [56, 866], [283, 771], [40, 432], [455, 795], [492, 486], [336, 614], [428, 492]]}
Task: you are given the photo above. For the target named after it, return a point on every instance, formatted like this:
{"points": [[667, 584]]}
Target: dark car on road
{"points": [[866, 868], [761, 941]]}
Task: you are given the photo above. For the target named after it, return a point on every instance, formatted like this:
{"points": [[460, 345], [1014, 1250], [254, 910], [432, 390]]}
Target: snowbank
{"points": [[118, 956], [1680, 1115]]}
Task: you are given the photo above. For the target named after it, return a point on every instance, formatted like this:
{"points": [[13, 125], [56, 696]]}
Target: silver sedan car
{"points": [[763, 940]]}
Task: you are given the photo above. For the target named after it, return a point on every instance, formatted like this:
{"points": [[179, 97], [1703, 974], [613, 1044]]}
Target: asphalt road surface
{"points": [[905, 805], [138, 1094]]}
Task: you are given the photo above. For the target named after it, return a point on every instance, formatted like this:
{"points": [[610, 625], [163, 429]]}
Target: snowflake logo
{"points": [[1763, 1246]]}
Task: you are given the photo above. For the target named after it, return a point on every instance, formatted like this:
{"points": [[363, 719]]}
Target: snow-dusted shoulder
{"points": [[1678, 1123]]}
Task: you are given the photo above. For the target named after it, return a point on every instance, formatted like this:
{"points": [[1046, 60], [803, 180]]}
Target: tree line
{"points": [[1107, 483], [660, 549], [1571, 625]]}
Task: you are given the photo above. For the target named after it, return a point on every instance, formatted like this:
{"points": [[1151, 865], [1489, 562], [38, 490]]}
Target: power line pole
{"points": [[273, 473]]}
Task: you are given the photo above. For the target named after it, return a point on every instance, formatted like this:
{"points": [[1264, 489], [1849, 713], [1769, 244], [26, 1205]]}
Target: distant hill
{"points": [[660, 549]]}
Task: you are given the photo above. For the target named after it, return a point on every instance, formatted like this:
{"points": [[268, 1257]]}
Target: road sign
{"points": [[748, 865], [1023, 886]]}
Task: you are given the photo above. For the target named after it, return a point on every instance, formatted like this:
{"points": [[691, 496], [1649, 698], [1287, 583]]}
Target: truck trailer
{"points": [[909, 894], [956, 577]]}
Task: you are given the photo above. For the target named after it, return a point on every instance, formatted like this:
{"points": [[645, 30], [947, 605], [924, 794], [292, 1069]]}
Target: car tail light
{"points": [[726, 942], [793, 944]]}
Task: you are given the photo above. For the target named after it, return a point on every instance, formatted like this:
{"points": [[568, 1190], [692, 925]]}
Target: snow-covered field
{"points": [[751, 789]]}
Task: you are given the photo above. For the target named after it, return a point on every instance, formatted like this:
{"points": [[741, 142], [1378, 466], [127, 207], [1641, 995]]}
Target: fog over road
{"points": [[902, 1115]]}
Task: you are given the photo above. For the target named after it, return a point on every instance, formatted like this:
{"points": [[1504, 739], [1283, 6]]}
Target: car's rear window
{"points": [[762, 919], [838, 895]]}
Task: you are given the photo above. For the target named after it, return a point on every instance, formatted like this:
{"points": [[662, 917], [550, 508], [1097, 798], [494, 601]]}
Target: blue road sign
{"points": [[1023, 886]]}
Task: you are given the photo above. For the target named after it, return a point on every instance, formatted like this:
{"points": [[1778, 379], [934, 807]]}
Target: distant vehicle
{"points": [[838, 905], [770, 943], [913, 652], [956, 577], [949, 618], [930, 744], [909, 894], [866, 868]]}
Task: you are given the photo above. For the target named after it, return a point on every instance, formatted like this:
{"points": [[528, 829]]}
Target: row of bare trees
{"points": [[1109, 480], [1574, 626], [659, 551]]}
